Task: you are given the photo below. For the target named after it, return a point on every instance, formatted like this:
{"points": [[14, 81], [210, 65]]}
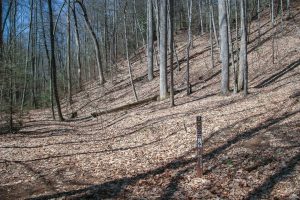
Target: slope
{"points": [[252, 148]]}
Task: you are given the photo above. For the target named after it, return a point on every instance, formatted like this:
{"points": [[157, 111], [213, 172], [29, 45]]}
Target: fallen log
{"points": [[127, 106]]}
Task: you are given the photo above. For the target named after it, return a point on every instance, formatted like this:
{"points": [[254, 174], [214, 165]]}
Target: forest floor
{"points": [[251, 144]]}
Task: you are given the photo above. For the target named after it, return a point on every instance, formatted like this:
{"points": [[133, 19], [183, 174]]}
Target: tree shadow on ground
{"points": [[262, 191], [114, 188], [279, 74]]}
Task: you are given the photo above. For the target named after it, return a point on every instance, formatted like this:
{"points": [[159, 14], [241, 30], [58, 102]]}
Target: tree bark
{"points": [[188, 85], [211, 40], [163, 50], [150, 39], [223, 24], [243, 68], [171, 30], [288, 8]]}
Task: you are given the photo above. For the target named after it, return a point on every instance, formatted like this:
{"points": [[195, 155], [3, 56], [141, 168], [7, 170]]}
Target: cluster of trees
{"points": [[52, 47], [231, 36]]}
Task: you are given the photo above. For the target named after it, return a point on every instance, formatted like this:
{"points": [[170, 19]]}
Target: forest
{"points": [[149, 99]]}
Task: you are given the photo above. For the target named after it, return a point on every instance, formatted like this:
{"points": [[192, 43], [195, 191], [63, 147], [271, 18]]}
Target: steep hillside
{"points": [[251, 144]]}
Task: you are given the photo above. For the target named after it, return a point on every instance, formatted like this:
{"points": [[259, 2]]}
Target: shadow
{"points": [[174, 182], [250, 133], [6, 129], [199, 98], [207, 139], [195, 55], [86, 153], [279, 74], [45, 132], [261, 163], [262, 42], [114, 188], [262, 191]]}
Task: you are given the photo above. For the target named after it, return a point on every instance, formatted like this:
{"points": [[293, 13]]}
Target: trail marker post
{"points": [[199, 147]]}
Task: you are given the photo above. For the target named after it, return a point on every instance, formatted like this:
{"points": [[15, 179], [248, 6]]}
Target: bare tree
{"points": [[213, 22], [258, 21], [243, 67], [53, 62], [163, 50], [288, 8], [273, 30], [188, 86], [150, 39], [223, 24], [78, 53], [127, 54], [48, 58], [211, 39], [27, 57], [95, 40], [171, 31], [1, 30], [69, 53], [201, 28]]}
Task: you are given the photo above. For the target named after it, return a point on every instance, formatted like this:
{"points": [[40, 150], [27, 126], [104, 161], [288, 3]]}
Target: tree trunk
{"points": [[96, 43], [127, 54], [53, 64], [69, 54], [211, 40], [288, 9], [1, 31], [27, 57], [188, 86], [223, 24], [163, 50], [157, 31], [171, 31], [105, 33], [77, 39], [273, 31], [150, 39], [236, 46], [201, 31], [243, 68], [258, 21], [48, 59], [213, 23]]}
